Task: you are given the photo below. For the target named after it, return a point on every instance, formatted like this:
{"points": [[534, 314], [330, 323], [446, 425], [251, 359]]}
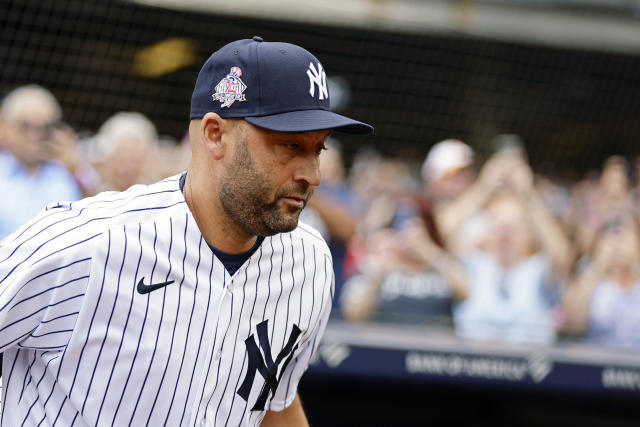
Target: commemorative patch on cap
{"points": [[230, 89]]}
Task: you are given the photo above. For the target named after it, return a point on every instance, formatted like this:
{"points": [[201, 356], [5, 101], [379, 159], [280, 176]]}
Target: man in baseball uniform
{"points": [[197, 300]]}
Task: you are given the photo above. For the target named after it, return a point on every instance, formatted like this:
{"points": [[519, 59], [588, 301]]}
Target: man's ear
{"points": [[212, 129]]}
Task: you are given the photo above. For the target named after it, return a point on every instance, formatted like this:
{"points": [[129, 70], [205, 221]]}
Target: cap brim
{"points": [[310, 120]]}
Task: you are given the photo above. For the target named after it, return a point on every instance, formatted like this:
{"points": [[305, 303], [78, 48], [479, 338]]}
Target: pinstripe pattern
{"points": [[83, 348]]}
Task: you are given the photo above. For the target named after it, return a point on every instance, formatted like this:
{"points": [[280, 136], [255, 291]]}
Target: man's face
{"points": [[28, 129], [123, 168], [270, 178], [451, 186], [510, 236]]}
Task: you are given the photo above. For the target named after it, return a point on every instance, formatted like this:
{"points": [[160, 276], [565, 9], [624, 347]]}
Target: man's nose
{"points": [[308, 171]]}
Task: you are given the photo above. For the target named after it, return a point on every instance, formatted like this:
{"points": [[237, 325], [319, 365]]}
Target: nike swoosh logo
{"points": [[145, 289]]}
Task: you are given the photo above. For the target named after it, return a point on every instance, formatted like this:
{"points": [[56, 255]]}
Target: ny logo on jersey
{"points": [[319, 78], [265, 365]]}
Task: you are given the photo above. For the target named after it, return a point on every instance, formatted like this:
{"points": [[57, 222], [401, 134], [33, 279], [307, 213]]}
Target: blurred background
{"points": [[485, 238]]}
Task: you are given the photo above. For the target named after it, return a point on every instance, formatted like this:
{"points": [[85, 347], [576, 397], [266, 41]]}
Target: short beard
{"points": [[242, 194]]}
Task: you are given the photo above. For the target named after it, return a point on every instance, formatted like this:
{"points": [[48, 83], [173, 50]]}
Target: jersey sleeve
{"points": [[288, 385], [44, 272]]}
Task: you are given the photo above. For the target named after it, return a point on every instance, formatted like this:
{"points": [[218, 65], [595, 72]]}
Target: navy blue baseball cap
{"points": [[272, 85]]}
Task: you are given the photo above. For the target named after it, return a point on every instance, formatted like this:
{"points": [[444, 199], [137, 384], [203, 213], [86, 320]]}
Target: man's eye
{"points": [[320, 149], [292, 146]]}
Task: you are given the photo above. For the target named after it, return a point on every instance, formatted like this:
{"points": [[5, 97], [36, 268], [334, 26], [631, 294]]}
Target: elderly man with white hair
{"points": [[125, 151], [29, 180]]}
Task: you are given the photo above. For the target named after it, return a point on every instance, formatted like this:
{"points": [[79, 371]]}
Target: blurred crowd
{"points": [[44, 160], [487, 249], [495, 251]]}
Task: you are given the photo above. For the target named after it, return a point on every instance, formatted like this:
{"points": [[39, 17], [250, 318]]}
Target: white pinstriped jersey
{"points": [[83, 347]]}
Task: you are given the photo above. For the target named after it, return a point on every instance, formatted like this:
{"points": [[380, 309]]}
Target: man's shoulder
{"points": [[140, 203], [137, 198], [62, 224], [307, 234]]}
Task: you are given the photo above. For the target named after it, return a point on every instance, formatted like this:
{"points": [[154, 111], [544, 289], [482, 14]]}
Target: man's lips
{"points": [[298, 201]]}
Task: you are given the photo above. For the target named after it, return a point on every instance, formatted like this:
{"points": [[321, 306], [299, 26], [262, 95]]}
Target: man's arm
{"points": [[291, 416], [43, 279], [340, 223], [548, 232], [578, 298]]}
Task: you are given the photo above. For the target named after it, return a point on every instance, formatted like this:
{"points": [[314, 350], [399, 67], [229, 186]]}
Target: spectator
{"points": [[381, 184], [556, 198], [447, 174], [173, 157], [125, 151], [30, 133], [385, 188], [514, 278], [407, 276], [595, 202], [447, 171], [604, 300], [333, 208]]}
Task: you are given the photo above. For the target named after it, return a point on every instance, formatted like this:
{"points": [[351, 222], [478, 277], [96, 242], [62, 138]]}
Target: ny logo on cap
{"points": [[264, 364], [317, 77]]}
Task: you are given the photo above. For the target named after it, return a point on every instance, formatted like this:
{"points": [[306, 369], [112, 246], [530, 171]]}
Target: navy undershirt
{"points": [[232, 262]]}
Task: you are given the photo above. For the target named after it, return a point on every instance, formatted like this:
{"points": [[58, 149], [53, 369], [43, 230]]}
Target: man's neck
{"points": [[215, 225]]}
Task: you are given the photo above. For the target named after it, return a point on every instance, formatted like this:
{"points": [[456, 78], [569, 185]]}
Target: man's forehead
{"points": [[26, 102], [31, 108]]}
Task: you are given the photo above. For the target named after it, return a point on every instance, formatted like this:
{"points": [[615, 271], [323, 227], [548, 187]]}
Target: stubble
{"points": [[244, 191]]}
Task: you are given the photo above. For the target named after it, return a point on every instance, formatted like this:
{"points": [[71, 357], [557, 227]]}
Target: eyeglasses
{"points": [[44, 131]]}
